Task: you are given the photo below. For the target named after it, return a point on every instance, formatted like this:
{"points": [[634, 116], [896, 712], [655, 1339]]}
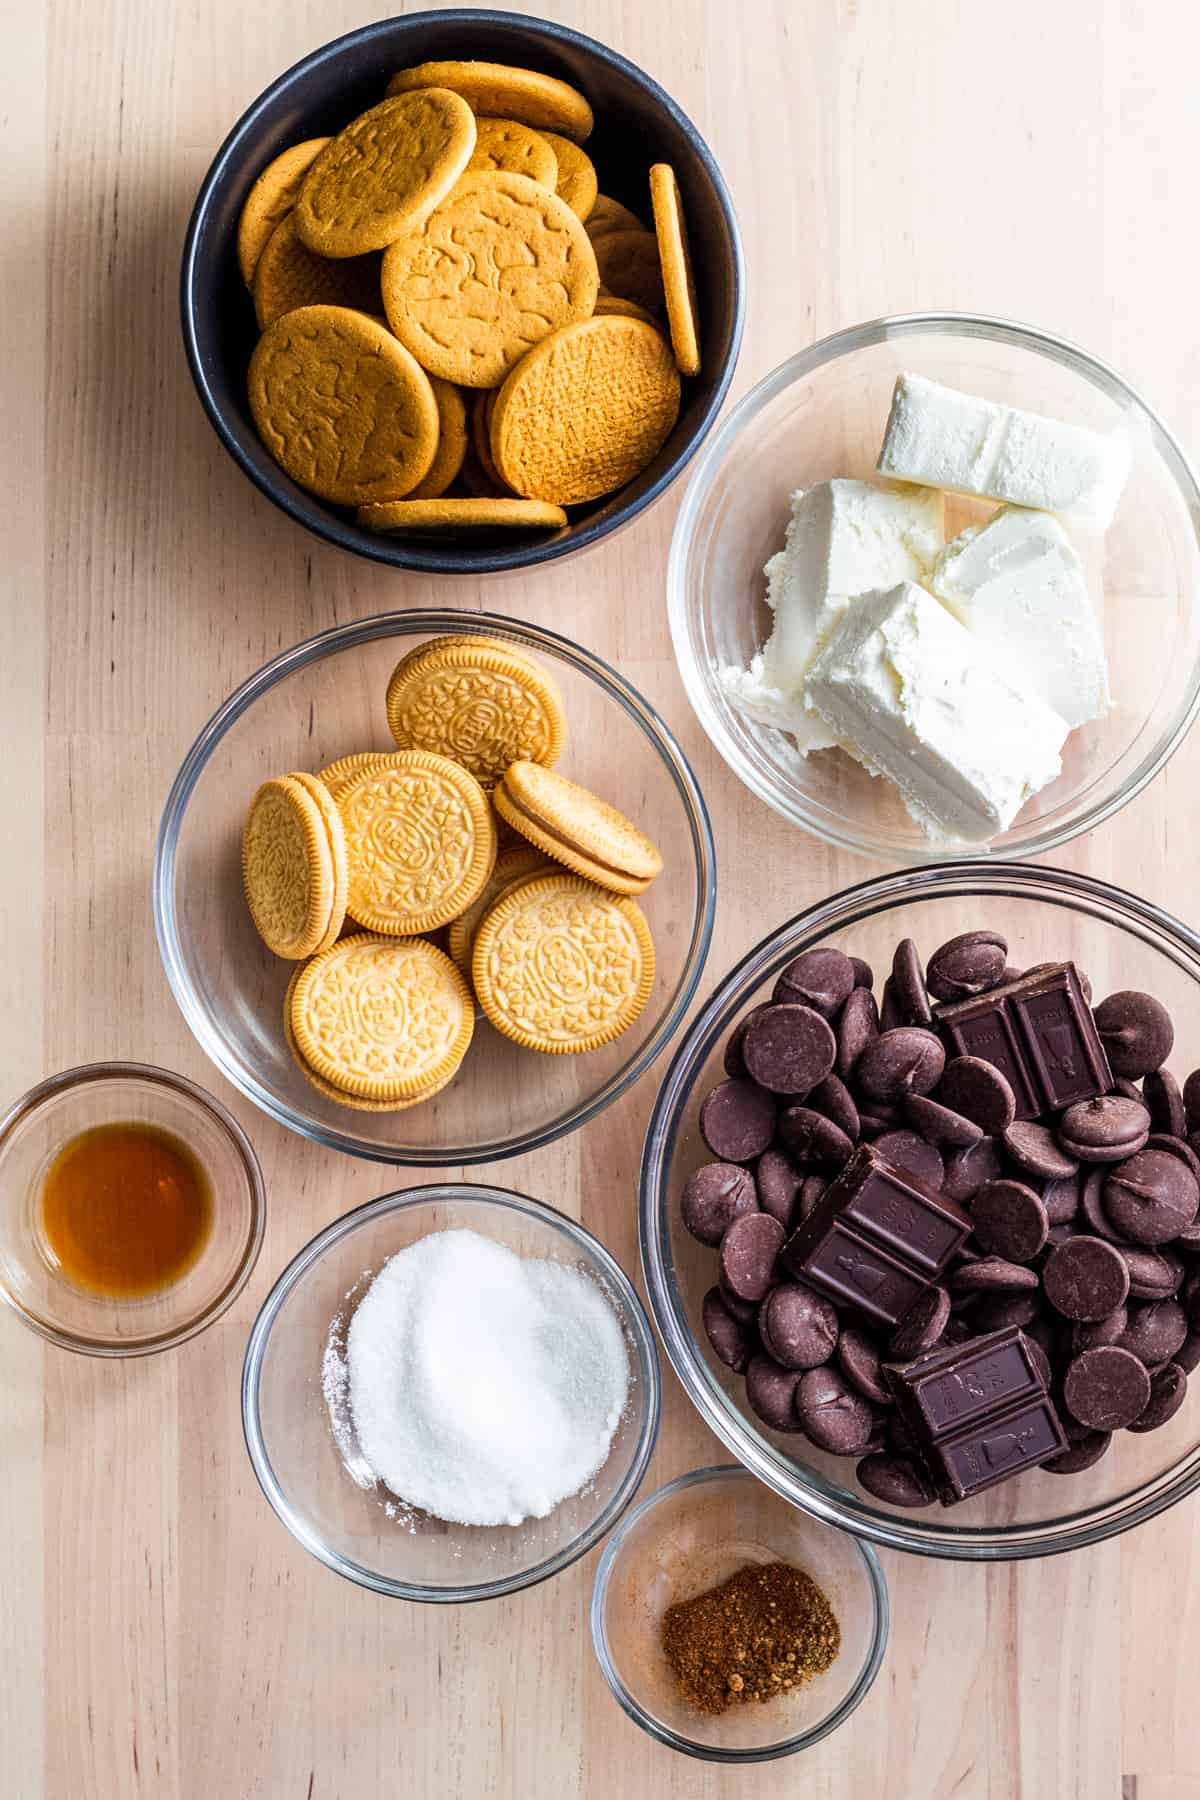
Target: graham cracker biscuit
{"points": [[520, 863], [609, 215], [502, 92], [574, 176], [331, 1092], [287, 276], [629, 267], [477, 703], [485, 512], [287, 868], [344, 408], [607, 304], [519, 149], [420, 840], [452, 441], [561, 966], [331, 820], [382, 1018], [678, 281], [338, 775], [385, 172], [610, 385], [577, 828], [495, 267], [270, 199]]}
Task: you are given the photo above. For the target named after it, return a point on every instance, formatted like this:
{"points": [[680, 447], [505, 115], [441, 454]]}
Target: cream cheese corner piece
{"points": [[914, 697], [844, 538], [942, 438], [1018, 587]]}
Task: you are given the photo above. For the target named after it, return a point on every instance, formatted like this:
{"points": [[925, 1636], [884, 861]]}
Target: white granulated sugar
{"points": [[484, 1388]]}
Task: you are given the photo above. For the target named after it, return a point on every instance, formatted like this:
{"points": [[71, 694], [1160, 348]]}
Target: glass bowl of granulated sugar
{"points": [[451, 1393]]}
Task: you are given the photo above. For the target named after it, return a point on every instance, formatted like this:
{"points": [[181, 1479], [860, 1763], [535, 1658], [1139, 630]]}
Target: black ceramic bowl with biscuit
{"points": [[636, 126]]}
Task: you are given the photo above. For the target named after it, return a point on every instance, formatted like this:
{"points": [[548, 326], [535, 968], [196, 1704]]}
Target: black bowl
{"points": [[636, 124]]}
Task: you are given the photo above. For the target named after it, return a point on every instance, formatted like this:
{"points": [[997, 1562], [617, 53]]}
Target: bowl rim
{"points": [[804, 362], [325, 524], [644, 1352], [627, 1701], [85, 1075], [331, 642], [808, 1489]]}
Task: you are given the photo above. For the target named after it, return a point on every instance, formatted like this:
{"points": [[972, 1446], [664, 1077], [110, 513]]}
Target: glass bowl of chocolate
{"points": [[919, 1210]]}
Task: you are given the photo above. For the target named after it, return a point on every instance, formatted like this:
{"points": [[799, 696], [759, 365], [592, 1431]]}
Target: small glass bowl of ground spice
{"points": [[732, 1627]]}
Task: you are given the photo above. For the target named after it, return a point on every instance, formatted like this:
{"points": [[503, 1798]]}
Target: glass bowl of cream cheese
{"points": [[934, 589]]}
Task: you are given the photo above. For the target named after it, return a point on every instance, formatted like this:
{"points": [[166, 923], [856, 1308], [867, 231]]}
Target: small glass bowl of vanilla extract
{"points": [[131, 1209]]}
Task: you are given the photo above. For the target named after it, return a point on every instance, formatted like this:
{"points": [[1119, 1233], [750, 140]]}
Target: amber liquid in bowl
{"points": [[124, 1210]]}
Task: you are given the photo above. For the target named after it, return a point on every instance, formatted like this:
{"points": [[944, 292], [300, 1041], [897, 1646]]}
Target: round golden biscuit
{"points": [[479, 705], [382, 1018], [575, 175], [485, 512], [629, 267], [452, 441], [679, 283], [610, 387], [519, 149], [331, 819], [501, 92], [481, 435], [343, 407], [328, 1088], [577, 828], [421, 842], [270, 200], [607, 304], [520, 863], [338, 775], [385, 172], [609, 215], [287, 868], [561, 966], [495, 267], [288, 276]]}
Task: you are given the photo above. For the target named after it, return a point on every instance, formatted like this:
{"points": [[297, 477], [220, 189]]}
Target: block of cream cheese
{"points": [[844, 538], [1018, 586], [915, 697], [942, 438]]}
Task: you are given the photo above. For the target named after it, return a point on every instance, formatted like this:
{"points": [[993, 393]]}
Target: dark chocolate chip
{"points": [[874, 1117], [1174, 1146], [1035, 1149], [833, 1414], [894, 1480], [748, 1252], [968, 1169], [1108, 1330], [967, 965], [771, 1392], [810, 1137], [798, 1327], [1188, 1355], [997, 1312], [992, 1275], [737, 1120], [744, 1311], [864, 974], [909, 980], [734, 1061], [1009, 1220], [891, 1013], [922, 1326], [1085, 1278], [833, 1098], [858, 1360], [1160, 1091], [714, 1196], [939, 1124], [1083, 1452], [1156, 1330], [732, 1342], [788, 1049], [858, 1023], [1092, 1216], [1151, 1197], [1061, 1198], [1153, 1274], [979, 1091], [1136, 1032], [811, 1190], [1129, 1090], [1168, 1389], [905, 1061], [1191, 1098], [1106, 1389], [821, 979], [1104, 1129], [905, 1150], [1041, 1362], [777, 1181]]}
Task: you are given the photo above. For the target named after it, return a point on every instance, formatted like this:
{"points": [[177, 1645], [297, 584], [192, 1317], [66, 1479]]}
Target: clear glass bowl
{"points": [[1046, 914], [684, 1539], [343, 1518], [821, 414], [32, 1133], [320, 700]]}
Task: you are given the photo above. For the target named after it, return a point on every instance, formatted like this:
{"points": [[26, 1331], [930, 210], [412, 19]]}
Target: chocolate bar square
{"points": [[994, 1448], [849, 1268], [1039, 1032]]}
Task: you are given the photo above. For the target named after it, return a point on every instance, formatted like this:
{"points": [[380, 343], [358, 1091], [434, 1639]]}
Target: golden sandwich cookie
{"points": [[479, 702], [521, 862], [331, 820], [331, 1092], [287, 868], [420, 842], [577, 828]]}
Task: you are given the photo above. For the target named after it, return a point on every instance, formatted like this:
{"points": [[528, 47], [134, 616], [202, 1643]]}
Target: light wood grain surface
{"points": [[160, 1633]]}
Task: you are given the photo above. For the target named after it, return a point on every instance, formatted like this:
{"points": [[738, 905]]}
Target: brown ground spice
{"points": [[768, 1629]]}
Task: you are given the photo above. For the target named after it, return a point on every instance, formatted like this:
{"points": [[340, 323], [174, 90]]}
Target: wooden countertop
{"points": [[160, 1633]]}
